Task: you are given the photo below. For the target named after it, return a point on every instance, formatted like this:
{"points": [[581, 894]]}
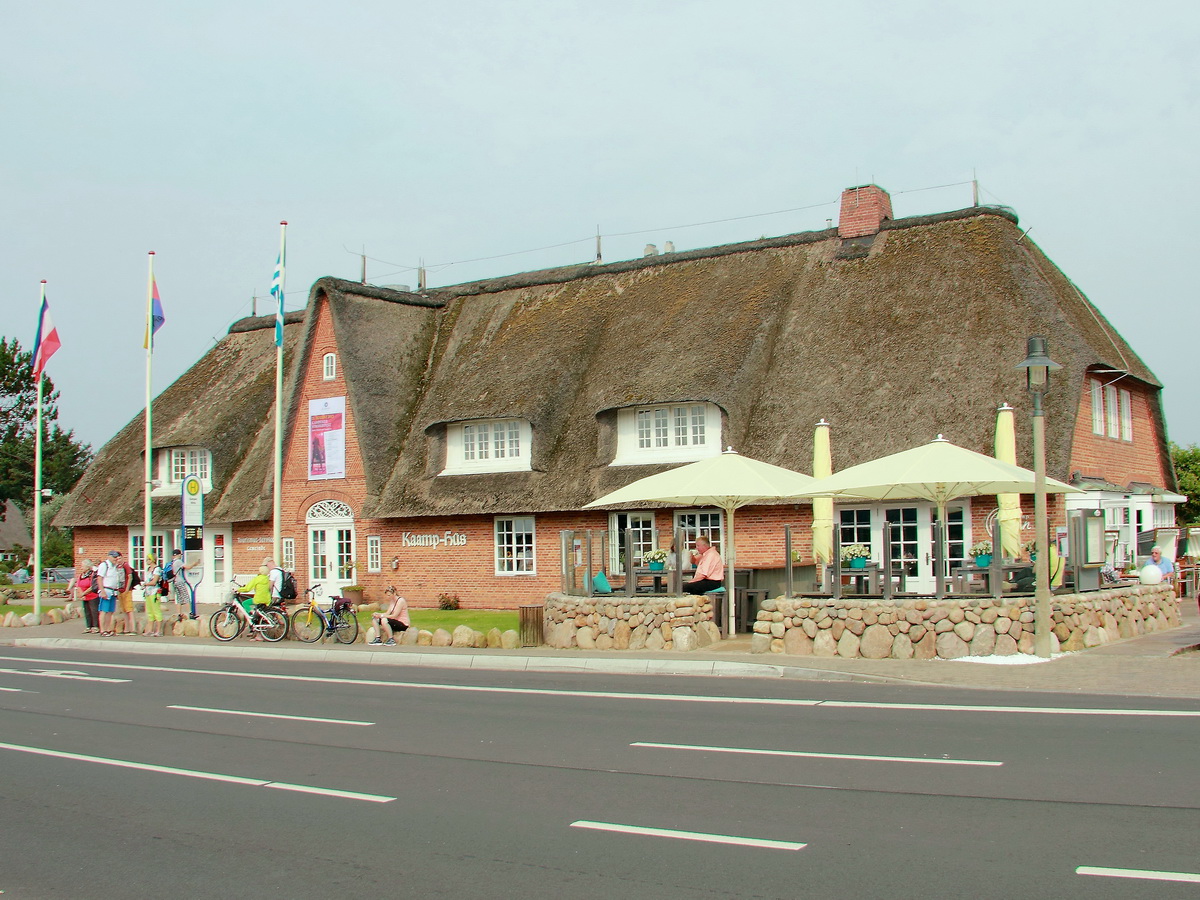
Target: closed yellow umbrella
{"points": [[1009, 505], [822, 526]]}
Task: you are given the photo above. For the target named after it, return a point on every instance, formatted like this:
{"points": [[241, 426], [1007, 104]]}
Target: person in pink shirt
{"points": [[710, 569]]}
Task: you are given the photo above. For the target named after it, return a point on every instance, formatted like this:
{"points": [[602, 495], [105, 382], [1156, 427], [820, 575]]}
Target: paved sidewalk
{"points": [[1163, 664]]}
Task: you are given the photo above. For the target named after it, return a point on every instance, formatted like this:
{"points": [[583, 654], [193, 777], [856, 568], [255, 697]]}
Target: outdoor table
{"points": [[964, 576], [660, 577]]}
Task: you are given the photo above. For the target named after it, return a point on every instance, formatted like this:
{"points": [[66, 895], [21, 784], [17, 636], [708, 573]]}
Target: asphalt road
{"points": [[128, 776]]}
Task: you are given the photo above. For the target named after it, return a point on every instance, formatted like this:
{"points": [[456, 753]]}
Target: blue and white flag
{"points": [[277, 293]]}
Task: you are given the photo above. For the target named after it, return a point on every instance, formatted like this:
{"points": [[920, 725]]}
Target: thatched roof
{"points": [[225, 403], [892, 338]]}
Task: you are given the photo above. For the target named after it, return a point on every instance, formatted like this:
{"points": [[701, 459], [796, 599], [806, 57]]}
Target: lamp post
{"points": [[1038, 365]]}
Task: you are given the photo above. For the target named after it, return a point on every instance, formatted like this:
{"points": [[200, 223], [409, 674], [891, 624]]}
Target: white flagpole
{"points": [[277, 493], [148, 452], [37, 491]]}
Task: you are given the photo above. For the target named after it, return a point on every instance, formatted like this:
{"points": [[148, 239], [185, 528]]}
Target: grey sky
{"points": [[454, 131]]}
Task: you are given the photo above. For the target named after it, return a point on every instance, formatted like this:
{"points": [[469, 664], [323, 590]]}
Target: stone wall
{"points": [[925, 628], [628, 623]]}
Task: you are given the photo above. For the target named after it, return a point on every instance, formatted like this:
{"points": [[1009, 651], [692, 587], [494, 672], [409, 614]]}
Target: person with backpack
{"points": [[111, 579], [174, 582], [131, 579], [283, 582], [83, 588], [152, 592]]}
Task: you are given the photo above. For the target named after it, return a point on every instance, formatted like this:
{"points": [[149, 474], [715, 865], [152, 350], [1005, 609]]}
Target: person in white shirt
{"points": [[111, 575]]}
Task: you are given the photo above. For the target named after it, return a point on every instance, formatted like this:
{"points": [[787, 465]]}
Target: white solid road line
{"points": [[1143, 874], [623, 695], [12, 690], [64, 673], [689, 835], [851, 756], [191, 773], [263, 715]]}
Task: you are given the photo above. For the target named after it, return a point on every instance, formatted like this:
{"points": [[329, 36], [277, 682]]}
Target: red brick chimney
{"points": [[863, 210]]}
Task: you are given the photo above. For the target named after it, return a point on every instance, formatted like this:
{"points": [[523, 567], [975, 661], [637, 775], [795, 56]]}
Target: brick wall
{"points": [[1117, 461], [863, 210]]}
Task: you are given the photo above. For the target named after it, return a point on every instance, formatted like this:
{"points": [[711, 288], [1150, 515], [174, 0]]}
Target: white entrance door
{"points": [[218, 565], [910, 530], [331, 560]]}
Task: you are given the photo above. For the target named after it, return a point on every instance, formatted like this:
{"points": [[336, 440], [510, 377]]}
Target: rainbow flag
{"points": [[156, 316]]}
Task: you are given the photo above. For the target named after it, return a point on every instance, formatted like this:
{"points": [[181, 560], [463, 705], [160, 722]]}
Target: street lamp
{"points": [[1038, 365]]}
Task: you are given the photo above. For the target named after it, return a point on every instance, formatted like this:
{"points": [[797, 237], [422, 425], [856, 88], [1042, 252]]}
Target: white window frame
{"points": [[1126, 402], [705, 521], [329, 367], [667, 433], [642, 524], [515, 540], [288, 547], [1113, 414], [1097, 406], [488, 445], [374, 553], [171, 461]]}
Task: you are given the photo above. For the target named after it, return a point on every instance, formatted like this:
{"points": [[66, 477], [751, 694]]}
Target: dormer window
{"points": [[488, 445], [677, 432], [329, 367], [177, 463]]}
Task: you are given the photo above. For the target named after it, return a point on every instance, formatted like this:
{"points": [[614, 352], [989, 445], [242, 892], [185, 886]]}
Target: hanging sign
{"points": [[327, 438]]}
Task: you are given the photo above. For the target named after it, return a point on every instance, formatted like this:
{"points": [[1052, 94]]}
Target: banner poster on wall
{"points": [[327, 438]]}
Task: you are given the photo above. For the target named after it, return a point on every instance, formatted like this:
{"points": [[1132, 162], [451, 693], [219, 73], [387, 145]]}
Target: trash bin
{"points": [[531, 625]]}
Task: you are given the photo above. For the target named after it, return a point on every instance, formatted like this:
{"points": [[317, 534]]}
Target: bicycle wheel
{"points": [[277, 625], [345, 625], [307, 625], [225, 624]]}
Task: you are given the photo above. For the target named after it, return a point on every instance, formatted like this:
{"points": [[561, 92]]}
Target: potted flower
{"points": [[982, 552], [656, 559], [856, 555]]}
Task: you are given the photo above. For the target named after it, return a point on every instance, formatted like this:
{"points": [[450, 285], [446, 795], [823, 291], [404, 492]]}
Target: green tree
{"points": [[1187, 470], [63, 457]]}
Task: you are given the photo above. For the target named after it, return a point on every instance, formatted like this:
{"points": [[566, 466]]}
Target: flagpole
{"points": [[277, 492], [37, 490], [148, 450]]}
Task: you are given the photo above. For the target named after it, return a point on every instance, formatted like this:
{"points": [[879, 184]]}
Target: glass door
{"points": [[331, 552], [909, 533]]}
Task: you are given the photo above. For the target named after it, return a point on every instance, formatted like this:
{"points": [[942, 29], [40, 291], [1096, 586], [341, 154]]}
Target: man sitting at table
{"points": [[710, 568], [1021, 579]]}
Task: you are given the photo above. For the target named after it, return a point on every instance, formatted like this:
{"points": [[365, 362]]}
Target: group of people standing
{"points": [[106, 592]]}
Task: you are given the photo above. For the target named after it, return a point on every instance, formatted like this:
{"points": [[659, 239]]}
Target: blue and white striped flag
{"points": [[277, 293]]}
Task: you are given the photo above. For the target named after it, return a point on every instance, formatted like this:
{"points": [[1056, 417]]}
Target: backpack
{"points": [[132, 578], [287, 585]]}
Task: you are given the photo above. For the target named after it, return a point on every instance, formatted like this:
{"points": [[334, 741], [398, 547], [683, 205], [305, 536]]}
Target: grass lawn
{"points": [[480, 619]]}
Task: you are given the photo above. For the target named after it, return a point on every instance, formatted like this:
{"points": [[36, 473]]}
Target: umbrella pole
{"points": [[731, 556], [939, 558]]}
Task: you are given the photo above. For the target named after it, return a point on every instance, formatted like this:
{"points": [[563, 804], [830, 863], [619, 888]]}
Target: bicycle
{"points": [[312, 623], [232, 619]]}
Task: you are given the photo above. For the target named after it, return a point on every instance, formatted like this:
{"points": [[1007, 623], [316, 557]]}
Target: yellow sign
{"points": [[193, 486]]}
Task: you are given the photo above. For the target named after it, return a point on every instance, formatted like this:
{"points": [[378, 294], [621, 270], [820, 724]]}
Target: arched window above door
{"points": [[329, 510]]}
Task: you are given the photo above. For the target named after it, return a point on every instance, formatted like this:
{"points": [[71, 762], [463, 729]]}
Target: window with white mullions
{"points": [[641, 526], [514, 545], [854, 527], [374, 553], [1126, 416], [669, 433], [488, 446]]}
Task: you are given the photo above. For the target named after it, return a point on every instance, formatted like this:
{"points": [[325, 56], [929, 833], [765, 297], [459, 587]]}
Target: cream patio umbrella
{"points": [[1008, 504], [938, 471], [728, 481], [822, 522]]}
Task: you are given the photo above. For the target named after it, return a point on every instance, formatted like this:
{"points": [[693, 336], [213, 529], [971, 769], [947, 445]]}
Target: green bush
{"points": [[448, 601]]}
